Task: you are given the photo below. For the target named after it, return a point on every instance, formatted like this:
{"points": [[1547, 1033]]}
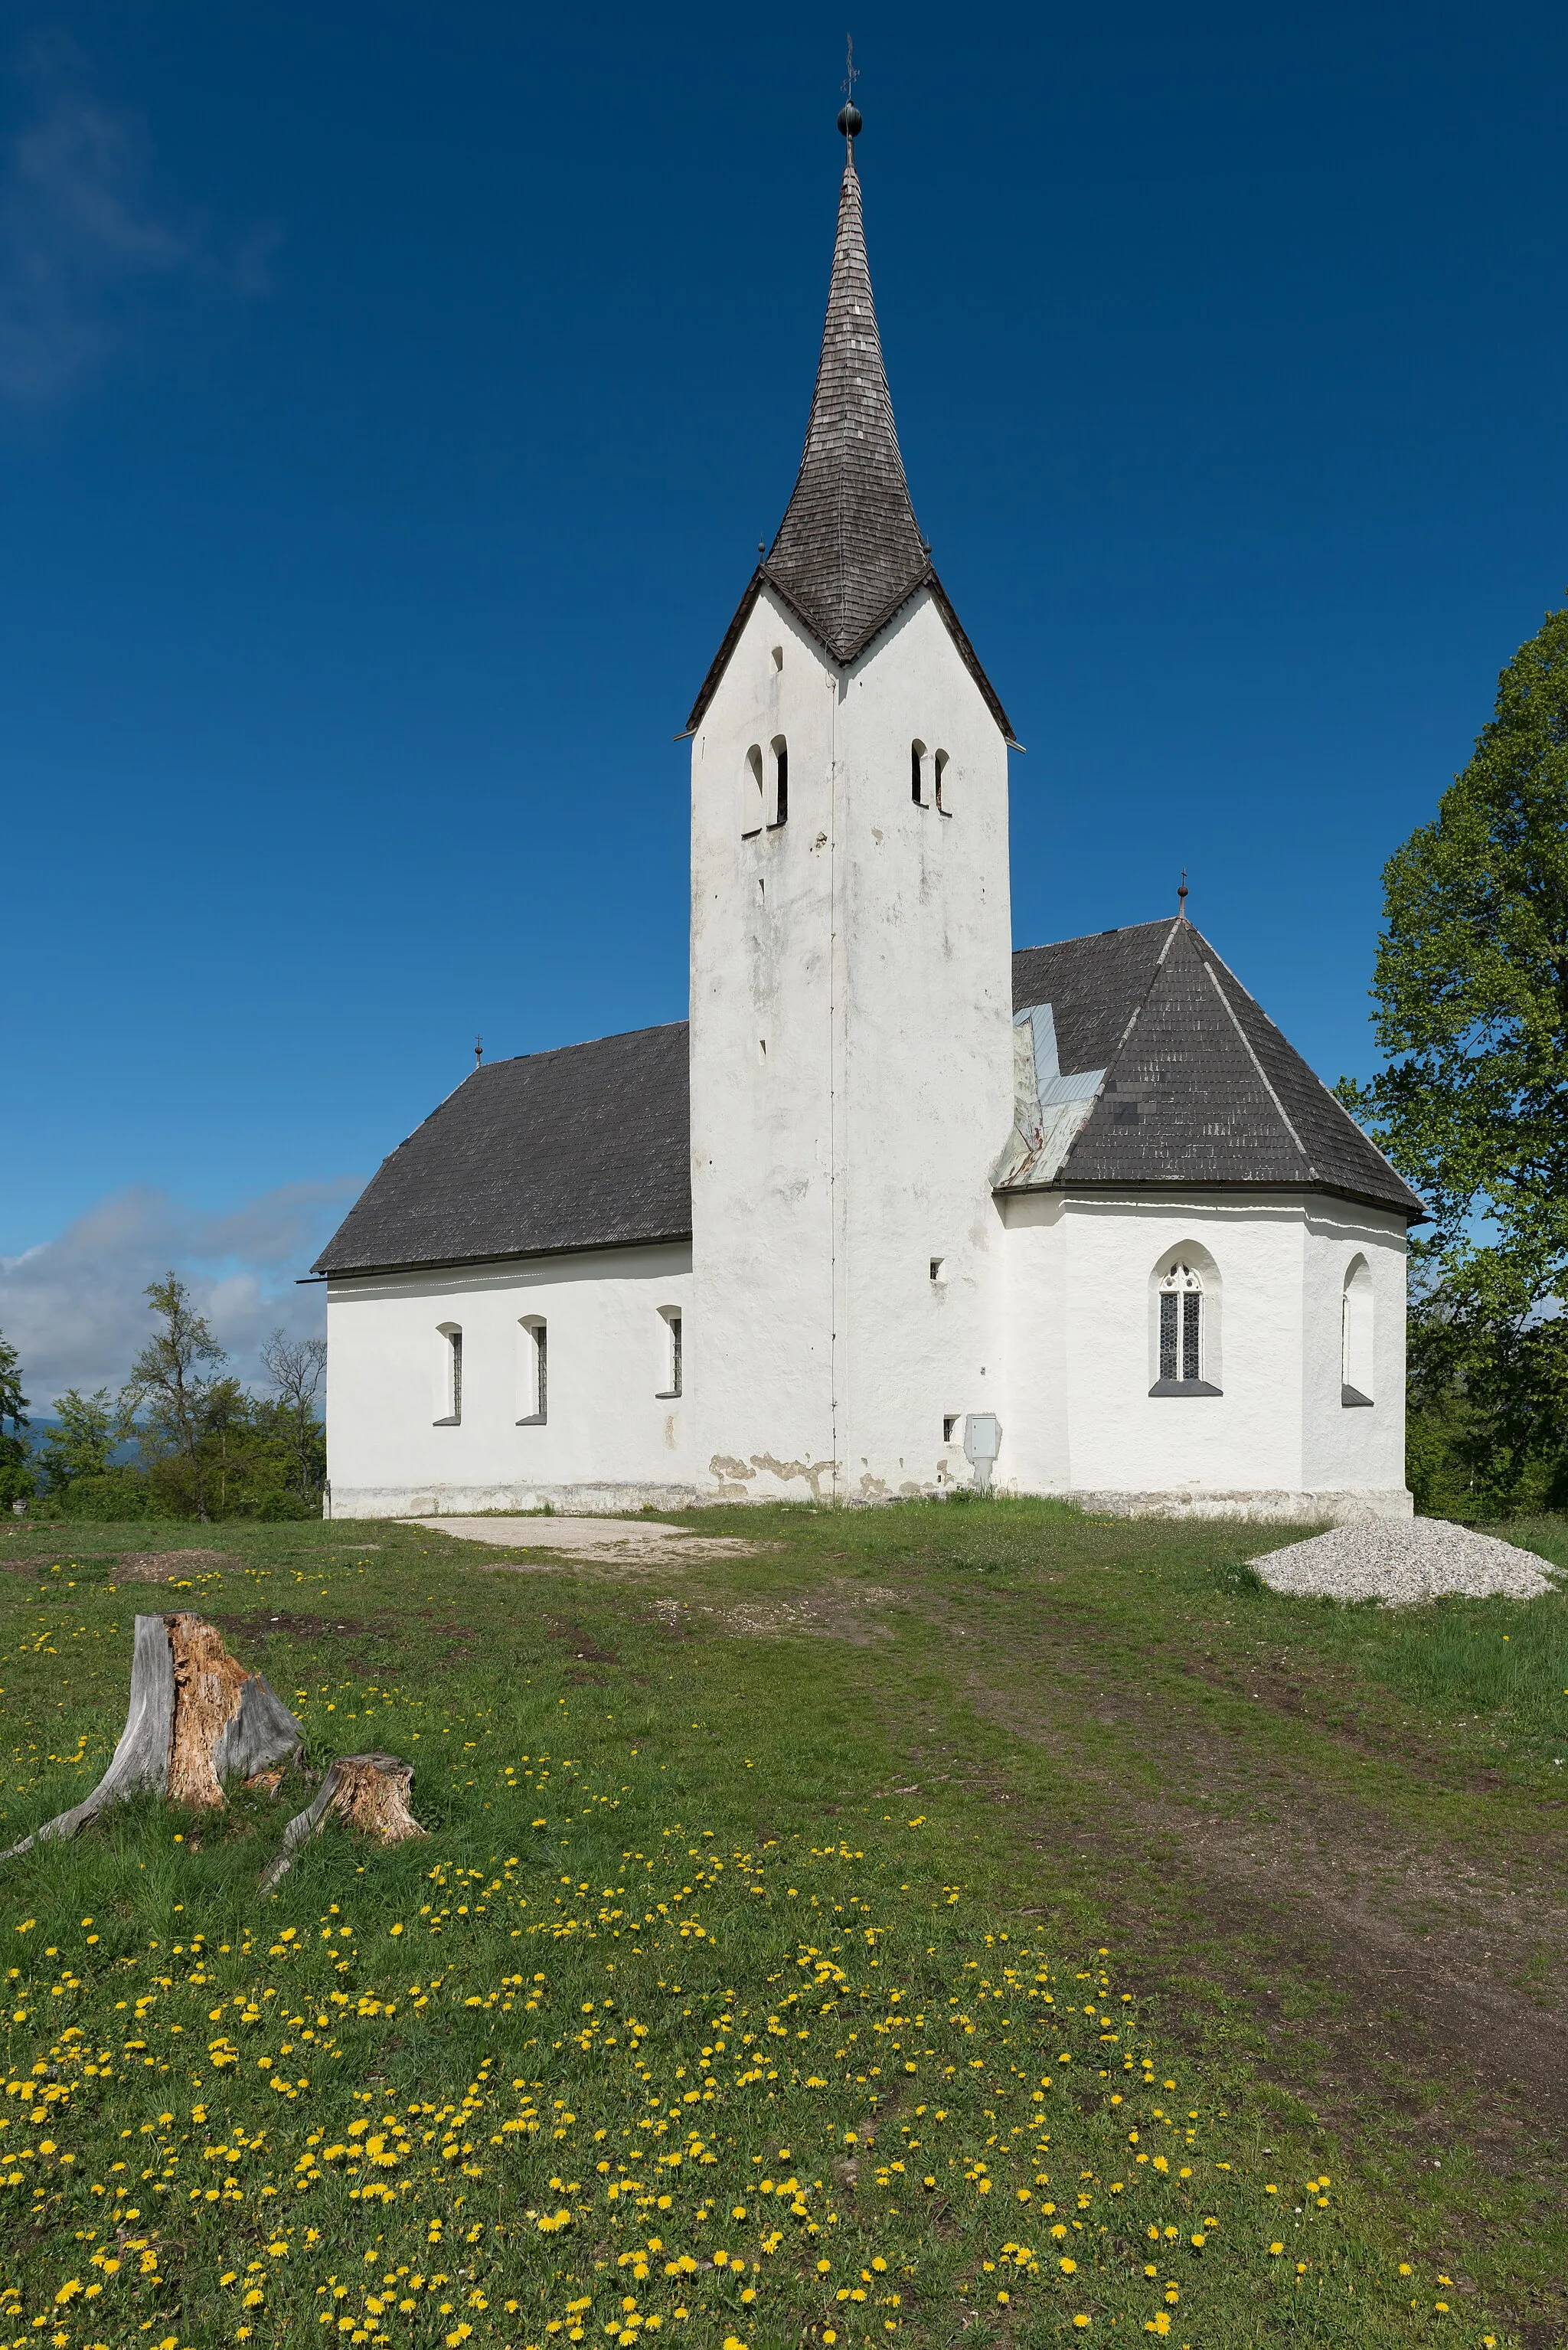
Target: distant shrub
{"points": [[117, 1495], [15, 1482], [274, 1506]]}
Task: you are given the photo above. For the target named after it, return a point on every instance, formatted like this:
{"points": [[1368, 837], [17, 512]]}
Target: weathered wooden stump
{"points": [[366, 1792], [196, 1717]]}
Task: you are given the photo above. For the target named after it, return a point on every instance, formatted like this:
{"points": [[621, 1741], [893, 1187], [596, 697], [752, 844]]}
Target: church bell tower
{"points": [[851, 1003]]}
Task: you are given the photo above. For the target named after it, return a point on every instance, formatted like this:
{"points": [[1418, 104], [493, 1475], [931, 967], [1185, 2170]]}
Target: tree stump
{"points": [[366, 1792], [196, 1717]]}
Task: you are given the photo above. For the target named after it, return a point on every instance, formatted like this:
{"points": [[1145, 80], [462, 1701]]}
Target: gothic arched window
{"points": [[1185, 1336]]}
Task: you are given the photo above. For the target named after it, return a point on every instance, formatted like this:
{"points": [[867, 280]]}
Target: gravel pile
{"points": [[1403, 1561]]}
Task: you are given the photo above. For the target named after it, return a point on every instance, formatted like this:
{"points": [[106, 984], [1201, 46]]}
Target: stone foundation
{"points": [[1324, 1509], [475, 1501]]}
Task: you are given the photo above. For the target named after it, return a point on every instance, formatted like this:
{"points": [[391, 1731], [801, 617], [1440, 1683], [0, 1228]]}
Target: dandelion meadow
{"points": [[806, 1947]]}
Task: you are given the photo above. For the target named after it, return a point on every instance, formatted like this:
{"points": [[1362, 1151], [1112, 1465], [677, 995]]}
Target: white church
{"points": [[902, 1208]]}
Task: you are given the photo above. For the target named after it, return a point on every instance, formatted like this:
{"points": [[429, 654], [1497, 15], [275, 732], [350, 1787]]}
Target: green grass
{"points": [[838, 1909]]}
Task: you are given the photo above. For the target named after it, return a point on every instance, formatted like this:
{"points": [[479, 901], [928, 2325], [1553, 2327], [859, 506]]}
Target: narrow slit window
{"points": [[534, 1381], [1355, 1372], [449, 1393], [778, 760], [753, 810], [918, 773], [673, 1353], [943, 795]]}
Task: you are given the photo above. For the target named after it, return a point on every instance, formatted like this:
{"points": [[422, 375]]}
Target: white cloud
{"points": [[75, 1310], [80, 237]]}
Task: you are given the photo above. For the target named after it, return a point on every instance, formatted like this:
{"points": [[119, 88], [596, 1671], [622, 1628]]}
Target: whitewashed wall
{"points": [[1078, 1418], [1353, 1449], [609, 1440], [851, 1063]]}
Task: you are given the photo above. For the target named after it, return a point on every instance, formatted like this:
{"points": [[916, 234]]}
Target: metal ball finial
{"points": [[850, 121]]}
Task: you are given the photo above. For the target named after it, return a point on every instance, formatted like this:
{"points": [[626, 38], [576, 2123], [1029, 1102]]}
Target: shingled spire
{"points": [[848, 553]]}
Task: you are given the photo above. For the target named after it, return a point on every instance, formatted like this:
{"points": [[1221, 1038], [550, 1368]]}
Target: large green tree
{"points": [[1471, 989]]}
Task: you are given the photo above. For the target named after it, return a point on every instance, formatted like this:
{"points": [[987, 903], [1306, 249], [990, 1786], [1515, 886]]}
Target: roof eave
{"points": [[720, 661], [843, 655], [496, 1256], [970, 660], [1414, 1213]]}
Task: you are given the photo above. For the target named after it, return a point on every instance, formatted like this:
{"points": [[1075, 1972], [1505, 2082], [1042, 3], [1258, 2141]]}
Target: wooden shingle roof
{"points": [[848, 554], [589, 1147], [1199, 1086]]}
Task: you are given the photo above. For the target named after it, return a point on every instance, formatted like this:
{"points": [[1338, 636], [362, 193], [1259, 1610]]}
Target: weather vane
{"points": [[849, 116], [478, 1050], [1181, 896]]}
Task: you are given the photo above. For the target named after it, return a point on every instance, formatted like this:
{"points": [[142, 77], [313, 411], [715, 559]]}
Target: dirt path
{"points": [[1419, 1953], [1376, 1961]]}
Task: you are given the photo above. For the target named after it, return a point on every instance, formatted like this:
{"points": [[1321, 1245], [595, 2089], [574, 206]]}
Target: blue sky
{"points": [[392, 401]]}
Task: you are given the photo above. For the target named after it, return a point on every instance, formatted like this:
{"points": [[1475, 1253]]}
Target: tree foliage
{"points": [[1471, 987], [176, 1401], [15, 1477], [295, 1367], [82, 1442], [183, 1438]]}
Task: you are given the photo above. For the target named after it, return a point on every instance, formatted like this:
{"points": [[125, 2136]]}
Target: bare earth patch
{"points": [[625, 1542], [838, 1610]]}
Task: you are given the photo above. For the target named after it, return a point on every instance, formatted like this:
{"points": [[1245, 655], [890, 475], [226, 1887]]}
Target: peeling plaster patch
{"points": [[765, 1464]]}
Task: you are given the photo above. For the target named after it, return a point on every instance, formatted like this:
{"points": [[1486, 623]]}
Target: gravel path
{"points": [[1402, 1561]]}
